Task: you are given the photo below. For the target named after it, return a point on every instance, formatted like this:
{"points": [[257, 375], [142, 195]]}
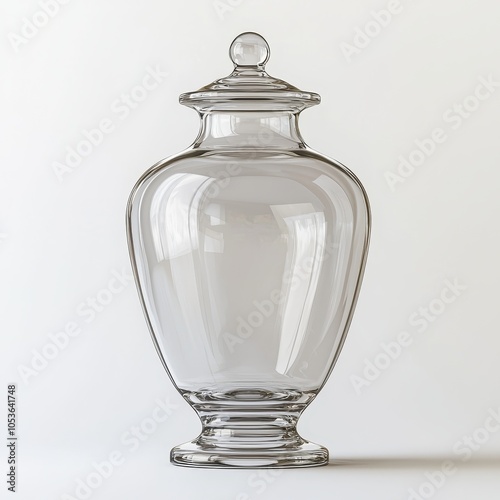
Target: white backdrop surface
{"points": [[410, 102]]}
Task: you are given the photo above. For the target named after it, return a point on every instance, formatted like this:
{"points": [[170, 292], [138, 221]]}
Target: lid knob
{"points": [[249, 49]]}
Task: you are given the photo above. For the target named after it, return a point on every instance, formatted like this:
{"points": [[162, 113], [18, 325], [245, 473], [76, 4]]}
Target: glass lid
{"points": [[249, 87]]}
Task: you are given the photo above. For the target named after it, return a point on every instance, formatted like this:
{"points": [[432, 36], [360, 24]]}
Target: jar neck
{"points": [[249, 130]]}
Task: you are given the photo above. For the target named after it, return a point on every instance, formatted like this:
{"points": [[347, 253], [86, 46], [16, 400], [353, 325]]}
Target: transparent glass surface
{"points": [[248, 251]]}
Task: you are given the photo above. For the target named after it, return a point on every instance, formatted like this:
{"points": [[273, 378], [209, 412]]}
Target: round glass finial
{"points": [[249, 49]]}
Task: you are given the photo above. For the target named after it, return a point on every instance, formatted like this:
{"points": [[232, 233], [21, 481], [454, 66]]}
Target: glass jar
{"points": [[248, 251]]}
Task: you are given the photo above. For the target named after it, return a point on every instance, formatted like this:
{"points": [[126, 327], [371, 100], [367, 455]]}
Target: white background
{"points": [[61, 239]]}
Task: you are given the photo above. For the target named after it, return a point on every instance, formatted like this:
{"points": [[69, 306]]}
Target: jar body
{"points": [[248, 263]]}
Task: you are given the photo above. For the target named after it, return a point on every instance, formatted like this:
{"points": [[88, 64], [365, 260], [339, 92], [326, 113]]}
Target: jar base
{"points": [[192, 454], [248, 427]]}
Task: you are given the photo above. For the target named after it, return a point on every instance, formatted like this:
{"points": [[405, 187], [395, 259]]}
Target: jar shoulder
{"points": [[301, 166]]}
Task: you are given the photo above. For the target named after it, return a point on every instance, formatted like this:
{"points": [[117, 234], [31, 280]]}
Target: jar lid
{"points": [[249, 87]]}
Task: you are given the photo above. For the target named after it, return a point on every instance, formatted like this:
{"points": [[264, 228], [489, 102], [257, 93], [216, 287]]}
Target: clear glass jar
{"points": [[248, 251]]}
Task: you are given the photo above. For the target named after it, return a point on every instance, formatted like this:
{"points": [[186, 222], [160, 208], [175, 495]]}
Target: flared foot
{"points": [[192, 454], [249, 428]]}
